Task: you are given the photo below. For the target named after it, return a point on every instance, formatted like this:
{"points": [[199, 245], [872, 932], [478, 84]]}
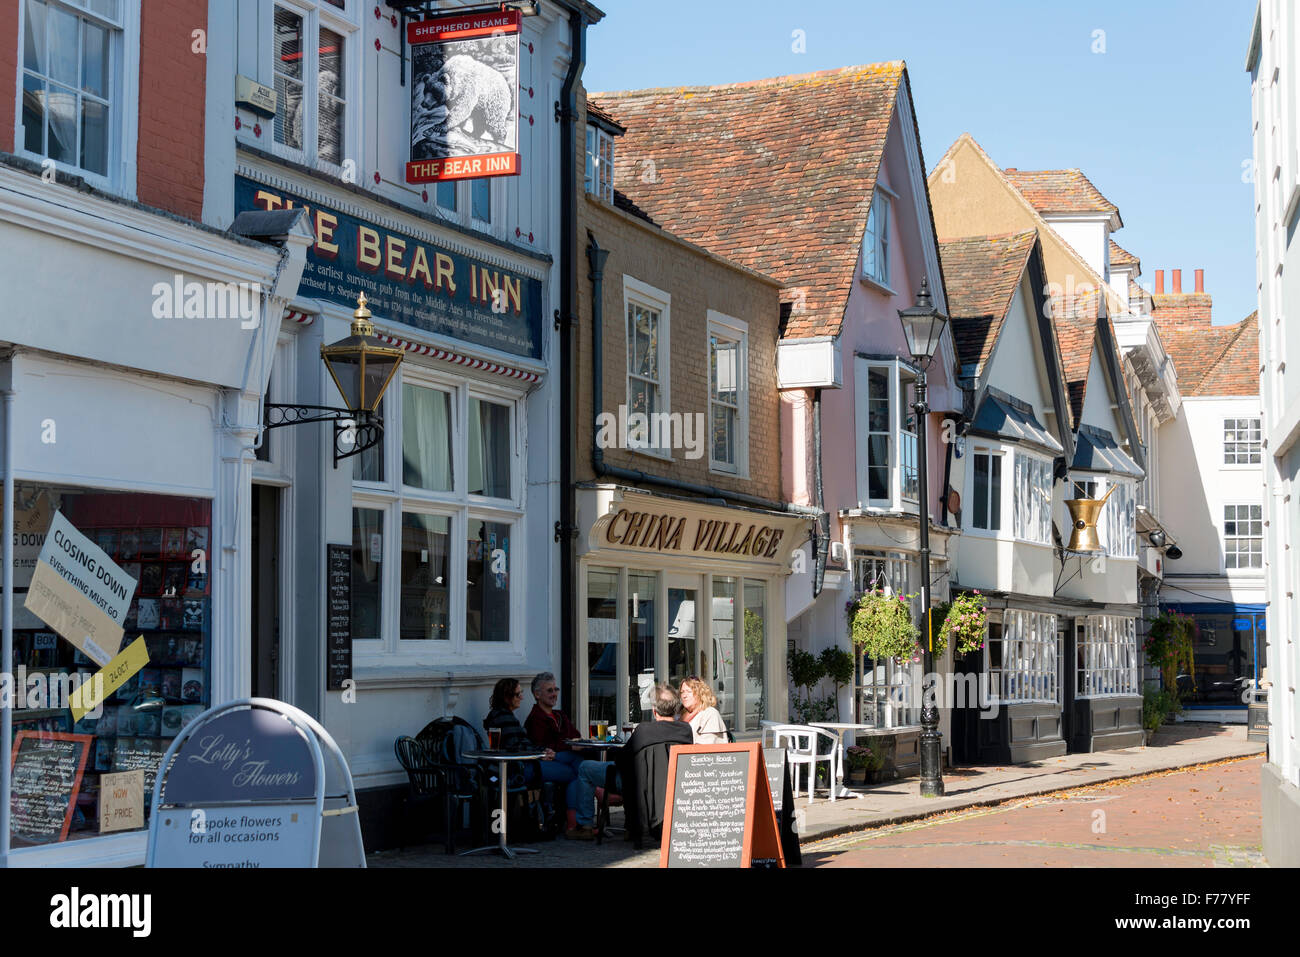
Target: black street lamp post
{"points": [[923, 326]]}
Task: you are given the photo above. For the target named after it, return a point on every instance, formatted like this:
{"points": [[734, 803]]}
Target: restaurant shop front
{"points": [[671, 588]]}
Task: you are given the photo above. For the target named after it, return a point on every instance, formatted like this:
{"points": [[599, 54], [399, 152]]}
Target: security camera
{"points": [[1174, 553]]}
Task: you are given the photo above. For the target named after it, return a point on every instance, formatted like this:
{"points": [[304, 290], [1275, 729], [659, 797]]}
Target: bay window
{"points": [[1020, 656], [986, 488], [1031, 498], [77, 88], [439, 504], [1106, 657], [1117, 525], [887, 474]]}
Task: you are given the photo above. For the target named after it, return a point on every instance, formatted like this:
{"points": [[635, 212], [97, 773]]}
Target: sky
{"points": [[1150, 99]]}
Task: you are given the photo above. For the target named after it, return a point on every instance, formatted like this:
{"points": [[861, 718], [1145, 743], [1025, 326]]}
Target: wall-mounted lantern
{"points": [[362, 368]]}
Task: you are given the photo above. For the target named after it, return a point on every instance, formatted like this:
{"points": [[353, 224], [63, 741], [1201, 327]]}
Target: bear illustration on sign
{"points": [[475, 92]]}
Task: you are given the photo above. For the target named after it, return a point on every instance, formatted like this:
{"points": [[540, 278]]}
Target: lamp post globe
{"points": [[923, 326]]}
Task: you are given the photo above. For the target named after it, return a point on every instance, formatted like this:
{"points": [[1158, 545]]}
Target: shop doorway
{"points": [[1067, 657], [266, 592]]}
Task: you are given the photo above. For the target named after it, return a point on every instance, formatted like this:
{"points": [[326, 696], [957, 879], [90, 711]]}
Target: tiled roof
{"points": [[1059, 191], [1077, 338], [1119, 256], [596, 112], [1215, 360], [981, 274], [775, 174]]}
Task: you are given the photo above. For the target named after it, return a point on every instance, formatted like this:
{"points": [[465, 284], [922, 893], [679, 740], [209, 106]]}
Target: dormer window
{"points": [[600, 163], [875, 244]]}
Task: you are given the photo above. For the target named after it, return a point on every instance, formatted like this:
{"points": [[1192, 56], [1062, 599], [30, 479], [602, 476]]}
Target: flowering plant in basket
{"points": [[881, 625], [966, 622]]}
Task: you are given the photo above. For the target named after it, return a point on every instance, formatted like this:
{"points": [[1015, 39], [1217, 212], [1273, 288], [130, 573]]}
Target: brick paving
{"points": [[1203, 817]]}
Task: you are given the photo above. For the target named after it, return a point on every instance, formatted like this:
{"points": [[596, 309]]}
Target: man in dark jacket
{"points": [[664, 729]]}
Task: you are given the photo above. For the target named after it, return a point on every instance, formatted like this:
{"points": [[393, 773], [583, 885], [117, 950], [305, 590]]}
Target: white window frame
{"points": [[394, 498], [893, 693], [315, 16], [598, 178], [736, 330], [1238, 545], [876, 240], [1242, 431], [1117, 526], [1002, 453], [1107, 657], [1030, 669], [1028, 462], [901, 443], [636, 292], [124, 98]]}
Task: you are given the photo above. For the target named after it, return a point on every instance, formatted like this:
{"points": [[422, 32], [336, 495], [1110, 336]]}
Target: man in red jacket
{"points": [[548, 727]]}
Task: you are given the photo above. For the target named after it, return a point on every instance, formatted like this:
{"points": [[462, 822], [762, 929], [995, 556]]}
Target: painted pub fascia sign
{"points": [[409, 280]]}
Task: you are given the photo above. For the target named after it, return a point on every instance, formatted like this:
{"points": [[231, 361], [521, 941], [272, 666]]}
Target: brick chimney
{"points": [[1181, 310]]}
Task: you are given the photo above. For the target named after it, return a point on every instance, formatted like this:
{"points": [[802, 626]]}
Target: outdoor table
{"points": [[591, 744], [503, 758], [842, 728]]}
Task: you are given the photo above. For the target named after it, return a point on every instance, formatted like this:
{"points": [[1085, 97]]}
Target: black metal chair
{"points": [[430, 779]]}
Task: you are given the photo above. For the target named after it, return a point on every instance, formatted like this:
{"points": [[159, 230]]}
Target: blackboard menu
{"points": [[709, 810], [774, 758], [338, 616], [47, 769]]}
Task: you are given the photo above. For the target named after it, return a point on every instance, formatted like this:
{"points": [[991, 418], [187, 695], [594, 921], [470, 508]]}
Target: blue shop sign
{"points": [[407, 280]]}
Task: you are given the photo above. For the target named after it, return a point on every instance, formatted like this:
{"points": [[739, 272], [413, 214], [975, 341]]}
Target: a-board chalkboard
{"points": [[778, 782], [718, 811], [47, 769], [338, 616]]}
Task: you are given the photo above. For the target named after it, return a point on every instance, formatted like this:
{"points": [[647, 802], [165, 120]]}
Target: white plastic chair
{"points": [[800, 742]]}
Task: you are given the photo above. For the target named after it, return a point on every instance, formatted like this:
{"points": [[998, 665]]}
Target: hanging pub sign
{"points": [[408, 280], [464, 96]]}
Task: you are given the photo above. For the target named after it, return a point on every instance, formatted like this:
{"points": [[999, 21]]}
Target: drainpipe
{"points": [[565, 530], [7, 655], [596, 256], [947, 475], [822, 540]]}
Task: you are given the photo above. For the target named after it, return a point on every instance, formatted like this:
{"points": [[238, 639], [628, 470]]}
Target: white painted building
{"points": [[1273, 62]]}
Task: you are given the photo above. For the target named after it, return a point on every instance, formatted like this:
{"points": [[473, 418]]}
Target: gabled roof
{"points": [[1060, 191], [1119, 256], [775, 174], [982, 273], [1077, 338], [1214, 360]]}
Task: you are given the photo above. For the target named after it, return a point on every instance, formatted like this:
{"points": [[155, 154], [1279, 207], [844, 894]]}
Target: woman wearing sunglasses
{"points": [[700, 711]]}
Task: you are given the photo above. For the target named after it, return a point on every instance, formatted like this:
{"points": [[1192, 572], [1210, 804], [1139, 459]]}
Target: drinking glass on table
{"points": [[601, 730], [494, 739]]}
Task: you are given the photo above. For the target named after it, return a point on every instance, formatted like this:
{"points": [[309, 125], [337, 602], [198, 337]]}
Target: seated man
{"points": [[664, 729]]}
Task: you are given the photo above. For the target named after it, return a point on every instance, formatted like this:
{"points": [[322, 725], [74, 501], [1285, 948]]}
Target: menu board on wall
{"points": [[338, 616], [718, 811], [47, 770]]}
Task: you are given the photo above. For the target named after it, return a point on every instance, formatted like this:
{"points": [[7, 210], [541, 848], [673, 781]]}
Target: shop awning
{"points": [[1095, 450], [1004, 416]]}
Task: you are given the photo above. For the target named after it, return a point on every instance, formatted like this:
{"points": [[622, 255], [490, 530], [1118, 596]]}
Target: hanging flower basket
{"points": [[967, 621], [881, 625]]}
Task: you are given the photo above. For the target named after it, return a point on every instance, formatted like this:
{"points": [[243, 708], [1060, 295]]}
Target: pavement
{"points": [[898, 803]]}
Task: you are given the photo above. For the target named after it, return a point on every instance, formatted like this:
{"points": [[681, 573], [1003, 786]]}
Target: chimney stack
{"points": [[1200, 280], [1160, 282], [1177, 279]]}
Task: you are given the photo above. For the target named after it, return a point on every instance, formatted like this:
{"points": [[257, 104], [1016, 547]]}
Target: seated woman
{"points": [[700, 711], [507, 696]]}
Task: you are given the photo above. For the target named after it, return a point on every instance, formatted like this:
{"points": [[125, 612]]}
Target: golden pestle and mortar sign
{"points": [[627, 521]]}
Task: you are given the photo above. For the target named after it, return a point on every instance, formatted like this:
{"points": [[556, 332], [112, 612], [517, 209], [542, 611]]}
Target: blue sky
{"points": [[1159, 121]]}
